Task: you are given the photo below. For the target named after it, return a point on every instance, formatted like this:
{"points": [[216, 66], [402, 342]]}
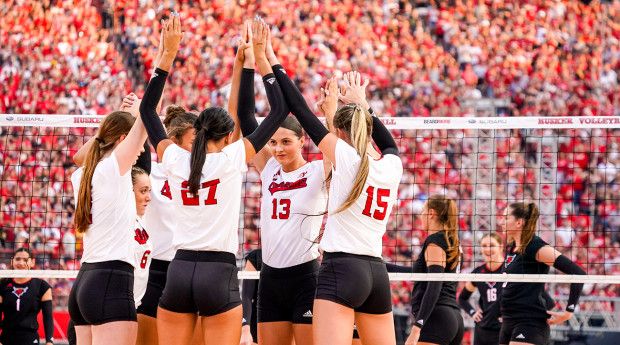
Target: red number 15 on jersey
{"points": [[375, 200]]}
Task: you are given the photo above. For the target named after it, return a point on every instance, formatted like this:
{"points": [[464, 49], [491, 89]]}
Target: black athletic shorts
{"points": [[102, 293], [533, 331], [359, 282], [202, 282], [287, 294], [19, 338], [443, 327], [158, 271], [486, 336]]}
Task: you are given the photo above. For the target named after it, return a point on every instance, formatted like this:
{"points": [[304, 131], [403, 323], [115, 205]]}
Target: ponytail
{"points": [[359, 124], [115, 125], [212, 124], [529, 213], [447, 213], [197, 161]]}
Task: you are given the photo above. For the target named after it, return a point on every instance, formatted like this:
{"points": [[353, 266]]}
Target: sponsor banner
{"points": [[532, 122]]}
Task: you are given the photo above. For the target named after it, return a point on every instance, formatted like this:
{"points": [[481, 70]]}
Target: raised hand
{"points": [[354, 91], [172, 35], [131, 104], [330, 93], [259, 37], [245, 52], [271, 55]]}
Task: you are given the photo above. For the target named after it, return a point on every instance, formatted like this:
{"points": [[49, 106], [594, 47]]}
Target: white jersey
{"points": [[113, 213], [160, 217], [290, 206], [142, 257], [208, 221], [359, 229]]}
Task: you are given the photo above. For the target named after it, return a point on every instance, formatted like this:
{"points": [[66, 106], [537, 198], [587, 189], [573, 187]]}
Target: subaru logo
{"points": [[471, 121], [9, 118]]}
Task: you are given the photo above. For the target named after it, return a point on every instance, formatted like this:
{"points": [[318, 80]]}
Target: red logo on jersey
{"points": [[19, 291], [509, 259], [282, 186], [276, 175], [141, 236]]}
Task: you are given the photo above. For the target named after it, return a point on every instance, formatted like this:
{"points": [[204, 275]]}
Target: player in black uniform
{"points": [[438, 319], [525, 319], [21, 299], [249, 296], [486, 317]]}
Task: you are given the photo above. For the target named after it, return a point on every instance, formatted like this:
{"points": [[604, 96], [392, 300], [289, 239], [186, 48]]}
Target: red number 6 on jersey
{"points": [[145, 259], [381, 206]]}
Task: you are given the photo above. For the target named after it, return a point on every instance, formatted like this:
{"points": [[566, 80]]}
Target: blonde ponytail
{"points": [[358, 123]]}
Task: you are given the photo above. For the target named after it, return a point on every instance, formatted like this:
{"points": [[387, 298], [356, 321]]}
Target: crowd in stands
{"points": [[423, 59]]}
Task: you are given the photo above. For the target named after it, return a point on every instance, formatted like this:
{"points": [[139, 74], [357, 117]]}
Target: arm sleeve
{"points": [[48, 320], [249, 287], [278, 113], [464, 302], [246, 106], [431, 295], [549, 302], [148, 106], [383, 138], [565, 265], [144, 159], [313, 126]]}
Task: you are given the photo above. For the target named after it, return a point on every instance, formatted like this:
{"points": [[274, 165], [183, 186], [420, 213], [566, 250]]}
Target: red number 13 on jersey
{"points": [[380, 209]]}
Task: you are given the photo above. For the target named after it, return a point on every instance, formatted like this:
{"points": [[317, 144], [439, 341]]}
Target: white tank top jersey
{"points": [[160, 217], [360, 228], [143, 249], [208, 221], [109, 237], [290, 219]]}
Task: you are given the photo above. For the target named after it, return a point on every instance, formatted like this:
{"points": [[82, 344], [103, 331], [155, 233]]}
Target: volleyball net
{"points": [[568, 166]]}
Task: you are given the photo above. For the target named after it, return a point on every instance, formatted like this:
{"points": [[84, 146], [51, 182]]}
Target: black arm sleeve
{"points": [[248, 289], [144, 159], [398, 268], [565, 265], [295, 100], [148, 107], [464, 302], [278, 113], [549, 302], [48, 320], [431, 295], [383, 138], [246, 106]]}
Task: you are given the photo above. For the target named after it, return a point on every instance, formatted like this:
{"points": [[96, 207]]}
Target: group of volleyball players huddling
{"points": [[171, 266]]}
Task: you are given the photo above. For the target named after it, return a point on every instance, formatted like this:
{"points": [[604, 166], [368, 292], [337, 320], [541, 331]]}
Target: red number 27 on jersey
{"points": [[190, 199]]}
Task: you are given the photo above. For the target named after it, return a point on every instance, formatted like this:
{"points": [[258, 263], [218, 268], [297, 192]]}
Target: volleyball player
{"points": [[143, 245], [293, 201], [433, 304], [105, 213], [249, 298], [353, 283], [486, 331], [487, 316], [206, 189], [21, 299], [525, 318]]}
